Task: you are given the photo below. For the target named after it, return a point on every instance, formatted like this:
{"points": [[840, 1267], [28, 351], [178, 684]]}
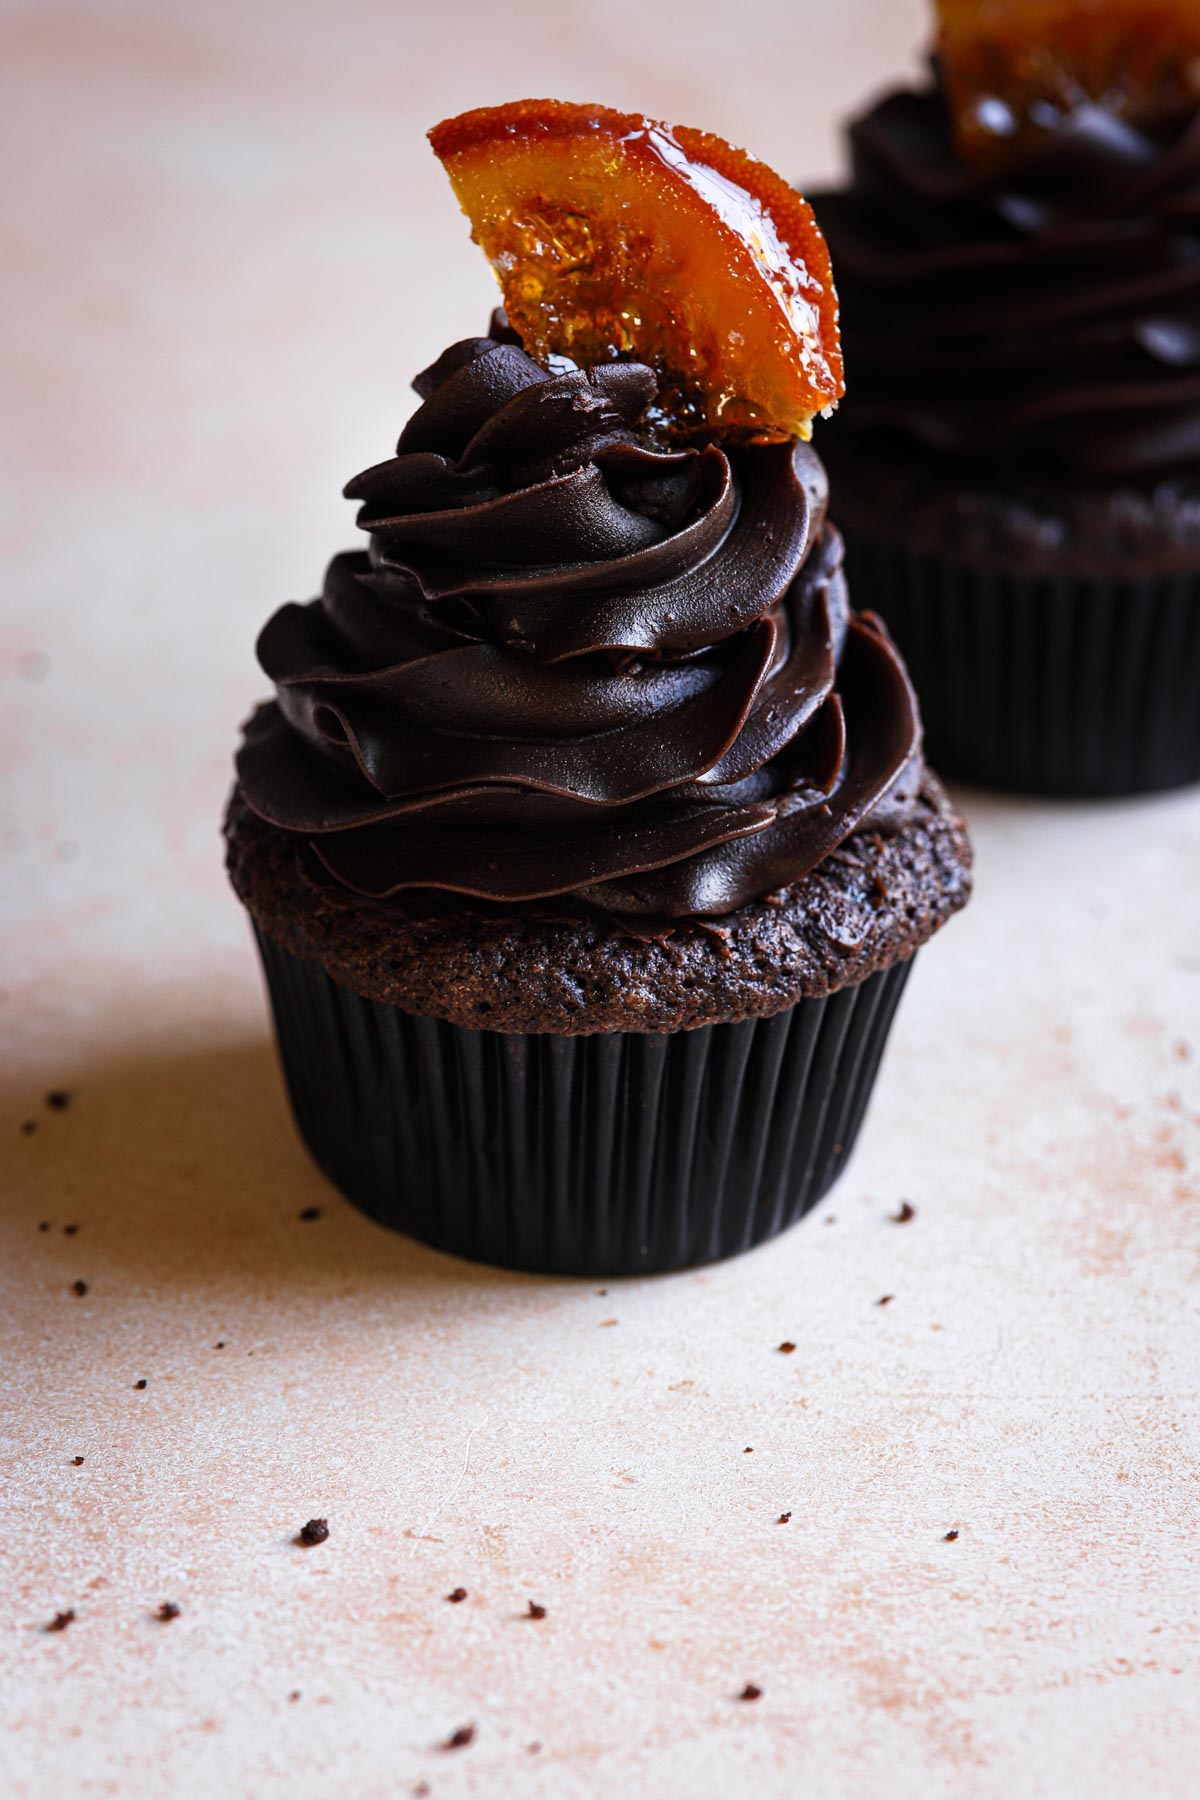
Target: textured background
{"points": [[227, 250]]}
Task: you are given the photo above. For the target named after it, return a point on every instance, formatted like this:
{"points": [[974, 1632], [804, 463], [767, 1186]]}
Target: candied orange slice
{"points": [[1002, 59], [616, 236]]}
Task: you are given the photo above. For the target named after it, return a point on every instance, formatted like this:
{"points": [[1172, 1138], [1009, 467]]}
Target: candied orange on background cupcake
{"points": [[588, 838], [1017, 467]]}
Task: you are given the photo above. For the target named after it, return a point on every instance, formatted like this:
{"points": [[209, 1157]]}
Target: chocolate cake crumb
{"points": [[220, 1344], [456, 1596], [783, 1518], [294, 1695], [70, 1230], [61, 1620], [458, 1740], [749, 1450], [535, 1611], [28, 1127], [77, 1462], [139, 1385], [885, 1299], [43, 1224], [905, 1212], [314, 1532], [167, 1611], [525, 968], [80, 1288], [949, 1537], [309, 1213], [786, 1348], [750, 1692], [58, 1099]]}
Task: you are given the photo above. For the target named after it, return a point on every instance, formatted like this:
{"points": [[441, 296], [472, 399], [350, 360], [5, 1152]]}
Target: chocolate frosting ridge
{"points": [[1047, 316], [572, 662]]}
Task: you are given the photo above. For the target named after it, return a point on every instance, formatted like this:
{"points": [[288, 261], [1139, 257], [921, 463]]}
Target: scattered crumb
{"points": [[535, 1611], [58, 1099], [786, 1348], [885, 1299], [220, 1344], [783, 1518], [1183, 1050], [61, 1620], [79, 1287], [77, 1462], [167, 1611], [831, 1219], [309, 1212], [294, 1695], [43, 1224], [750, 1692], [904, 1213], [28, 1127], [534, 1749], [602, 1292], [314, 1532], [421, 1790], [608, 1321], [139, 1385], [949, 1537], [70, 1230], [456, 1596], [458, 1740]]}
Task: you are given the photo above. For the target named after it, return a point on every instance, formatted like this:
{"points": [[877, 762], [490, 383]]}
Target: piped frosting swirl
{"points": [[573, 663], [1046, 316]]}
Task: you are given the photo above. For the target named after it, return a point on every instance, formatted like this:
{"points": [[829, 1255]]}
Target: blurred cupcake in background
{"points": [[588, 837], [1016, 468]]}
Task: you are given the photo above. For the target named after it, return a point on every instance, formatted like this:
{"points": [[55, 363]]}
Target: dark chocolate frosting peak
{"points": [[575, 663], [1047, 316]]}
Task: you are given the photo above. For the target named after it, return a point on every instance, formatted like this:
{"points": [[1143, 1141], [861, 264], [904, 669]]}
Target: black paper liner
{"points": [[619, 1153], [1043, 684]]}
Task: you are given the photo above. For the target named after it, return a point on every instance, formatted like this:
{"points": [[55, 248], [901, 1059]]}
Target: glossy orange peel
{"points": [[1003, 59], [613, 235]]}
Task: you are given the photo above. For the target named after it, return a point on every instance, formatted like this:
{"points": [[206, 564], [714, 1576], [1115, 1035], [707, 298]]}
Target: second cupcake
{"points": [[1017, 467]]}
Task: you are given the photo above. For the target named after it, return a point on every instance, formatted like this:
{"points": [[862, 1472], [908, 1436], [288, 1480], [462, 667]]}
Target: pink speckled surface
{"points": [[226, 251]]}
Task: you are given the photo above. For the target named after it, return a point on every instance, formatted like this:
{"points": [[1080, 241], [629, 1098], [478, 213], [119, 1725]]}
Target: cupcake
{"points": [[588, 839], [1017, 466]]}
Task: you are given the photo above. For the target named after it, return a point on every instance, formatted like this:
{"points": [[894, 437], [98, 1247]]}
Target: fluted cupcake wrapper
{"points": [[1043, 684], [612, 1154]]}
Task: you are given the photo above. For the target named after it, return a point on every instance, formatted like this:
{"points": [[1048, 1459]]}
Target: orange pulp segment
{"points": [[1000, 59], [616, 236]]}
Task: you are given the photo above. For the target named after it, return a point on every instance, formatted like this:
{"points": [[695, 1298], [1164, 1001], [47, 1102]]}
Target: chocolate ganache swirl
{"points": [[1048, 316], [575, 663]]}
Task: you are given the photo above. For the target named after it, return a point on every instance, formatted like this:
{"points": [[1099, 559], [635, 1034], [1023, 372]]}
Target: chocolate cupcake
{"points": [[1017, 466], [588, 839]]}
